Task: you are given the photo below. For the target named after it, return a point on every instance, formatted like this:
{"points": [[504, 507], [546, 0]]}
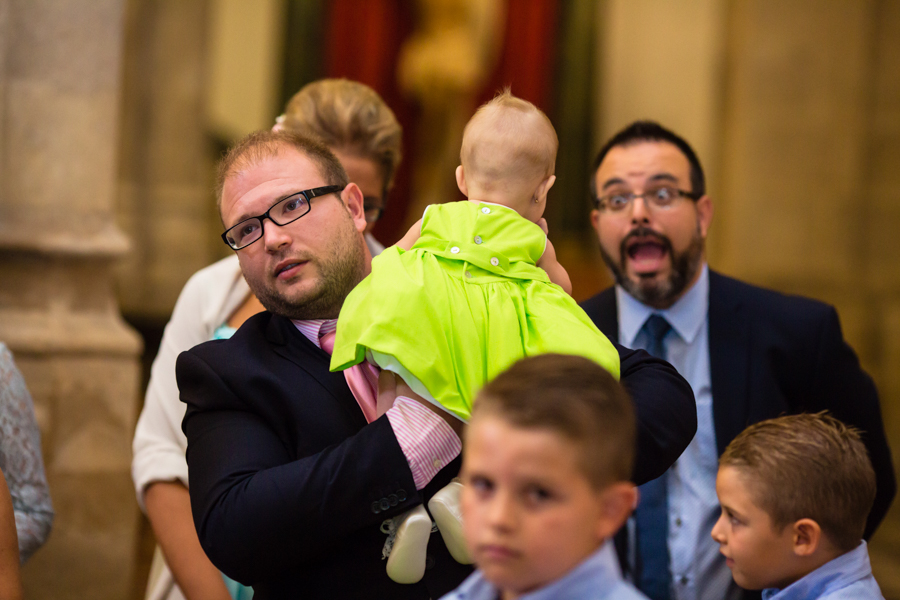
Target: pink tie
{"points": [[362, 380]]}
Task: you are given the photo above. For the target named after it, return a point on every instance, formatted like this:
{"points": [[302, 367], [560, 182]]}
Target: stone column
{"points": [[59, 97], [166, 203]]}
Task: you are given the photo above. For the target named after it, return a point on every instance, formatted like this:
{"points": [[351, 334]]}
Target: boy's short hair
{"points": [[261, 145], [575, 398], [808, 466], [508, 138]]}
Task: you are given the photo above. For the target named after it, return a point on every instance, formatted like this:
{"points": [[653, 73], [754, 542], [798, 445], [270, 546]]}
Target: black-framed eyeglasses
{"points": [[659, 197], [373, 208], [287, 210]]}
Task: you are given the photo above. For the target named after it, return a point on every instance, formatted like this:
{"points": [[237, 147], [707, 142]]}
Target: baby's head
{"points": [[508, 155], [795, 493], [547, 458]]}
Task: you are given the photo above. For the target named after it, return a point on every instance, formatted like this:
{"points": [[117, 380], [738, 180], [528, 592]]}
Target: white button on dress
{"points": [[485, 210], [495, 261], [478, 239], [455, 249]]}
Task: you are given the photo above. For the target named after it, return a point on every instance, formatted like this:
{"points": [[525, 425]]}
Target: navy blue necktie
{"points": [[652, 514]]}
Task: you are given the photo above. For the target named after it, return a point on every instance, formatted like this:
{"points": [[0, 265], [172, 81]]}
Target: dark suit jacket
{"points": [[772, 354], [286, 477]]}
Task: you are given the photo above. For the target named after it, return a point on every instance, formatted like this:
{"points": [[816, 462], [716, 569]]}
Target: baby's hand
{"points": [[387, 392], [542, 223]]}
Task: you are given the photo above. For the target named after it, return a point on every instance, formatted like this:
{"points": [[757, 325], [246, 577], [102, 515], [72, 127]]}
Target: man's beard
{"points": [[648, 291], [340, 267]]}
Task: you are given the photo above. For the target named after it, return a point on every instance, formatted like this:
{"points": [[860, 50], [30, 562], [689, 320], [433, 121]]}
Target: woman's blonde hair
{"points": [[349, 117]]}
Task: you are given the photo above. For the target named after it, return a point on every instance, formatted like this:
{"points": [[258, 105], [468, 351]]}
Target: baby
{"points": [[546, 463], [471, 288], [474, 285], [795, 493]]}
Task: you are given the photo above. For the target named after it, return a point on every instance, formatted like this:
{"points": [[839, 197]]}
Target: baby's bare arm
{"points": [[391, 385], [407, 241], [555, 271]]}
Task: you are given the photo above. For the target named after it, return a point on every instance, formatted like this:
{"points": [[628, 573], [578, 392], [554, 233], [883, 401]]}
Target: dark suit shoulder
{"points": [[600, 300], [254, 338], [766, 303], [264, 349], [602, 311]]}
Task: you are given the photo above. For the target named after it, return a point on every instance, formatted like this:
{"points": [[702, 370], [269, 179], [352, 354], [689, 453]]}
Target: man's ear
{"points": [[595, 221], [540, 195], [807, 536], [704, 214], [461, 181], [616, 503], [352, 197]]}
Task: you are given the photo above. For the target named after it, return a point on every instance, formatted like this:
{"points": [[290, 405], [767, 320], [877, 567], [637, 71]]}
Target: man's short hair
{"points": [[508, 138], [261, 145], [807, 466], [575, 398], [651, 131]]}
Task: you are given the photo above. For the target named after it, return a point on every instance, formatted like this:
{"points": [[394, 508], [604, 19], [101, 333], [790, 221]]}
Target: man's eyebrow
{"points": [[613, 181], [664, 177], [244, 216], [658, 177]]}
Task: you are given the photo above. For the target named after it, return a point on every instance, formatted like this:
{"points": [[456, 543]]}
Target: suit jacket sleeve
{"points": [[258, 508], [849, 393], [665, 411]]}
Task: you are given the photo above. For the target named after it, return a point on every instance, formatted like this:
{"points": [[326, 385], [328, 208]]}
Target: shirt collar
{"points": [[595, 575], [833, 575], [313, 329], [686, 316]]}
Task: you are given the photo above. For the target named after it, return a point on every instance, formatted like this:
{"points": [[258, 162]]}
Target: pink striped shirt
{"points": [[427, 441]]}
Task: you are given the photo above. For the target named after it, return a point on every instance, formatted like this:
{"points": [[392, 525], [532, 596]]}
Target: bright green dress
{"points": [[463, 304]]}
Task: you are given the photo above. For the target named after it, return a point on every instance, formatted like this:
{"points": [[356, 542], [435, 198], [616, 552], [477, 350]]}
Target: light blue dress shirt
{"points": [[847, 577], [596, 578], [698, 569]]}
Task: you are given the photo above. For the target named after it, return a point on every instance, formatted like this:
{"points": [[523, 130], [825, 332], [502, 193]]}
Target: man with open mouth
{"points": [[749, 354]]}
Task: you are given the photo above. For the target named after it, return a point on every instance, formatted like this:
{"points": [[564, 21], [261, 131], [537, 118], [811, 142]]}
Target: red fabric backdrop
{"points": [[363, 40]]}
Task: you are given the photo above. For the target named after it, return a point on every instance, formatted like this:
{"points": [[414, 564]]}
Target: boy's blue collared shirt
{"points": [[597, 578], [847, 577]]}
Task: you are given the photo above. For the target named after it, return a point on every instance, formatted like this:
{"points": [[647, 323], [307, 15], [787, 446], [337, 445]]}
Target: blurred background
{"points": [[113, 113]]}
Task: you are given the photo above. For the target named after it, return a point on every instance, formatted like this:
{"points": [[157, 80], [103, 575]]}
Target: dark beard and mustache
{"points": [[646, 290], [340, 268]]}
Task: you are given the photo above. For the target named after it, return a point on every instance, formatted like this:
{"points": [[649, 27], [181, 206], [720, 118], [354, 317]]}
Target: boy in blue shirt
{"points": [[546, 461], [795, 493]]}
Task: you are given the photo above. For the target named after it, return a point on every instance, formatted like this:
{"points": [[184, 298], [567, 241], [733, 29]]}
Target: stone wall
{"points": [[59, 95], [165, 199], [795, 108]]}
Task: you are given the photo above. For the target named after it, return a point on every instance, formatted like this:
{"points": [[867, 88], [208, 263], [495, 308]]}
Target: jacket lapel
{"points": [[729, 351], [292, 345]]}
